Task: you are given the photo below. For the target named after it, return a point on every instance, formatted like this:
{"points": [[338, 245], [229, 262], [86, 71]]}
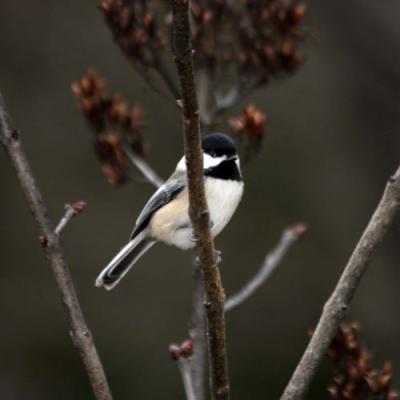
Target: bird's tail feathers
{"points": [[123, 261]]}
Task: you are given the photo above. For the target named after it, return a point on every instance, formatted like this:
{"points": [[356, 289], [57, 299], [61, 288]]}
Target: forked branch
{"points": [[81, 335], [182, 355], [336, 307], [198, 210]]}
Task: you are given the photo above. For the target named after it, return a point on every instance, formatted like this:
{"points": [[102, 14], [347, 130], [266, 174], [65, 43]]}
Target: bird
{"points": [[165, 217]]}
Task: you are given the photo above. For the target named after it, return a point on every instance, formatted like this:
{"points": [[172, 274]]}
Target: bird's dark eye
{"points": [[213, 154]]}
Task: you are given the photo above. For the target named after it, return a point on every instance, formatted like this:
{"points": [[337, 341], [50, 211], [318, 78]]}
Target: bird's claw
{"points": [[217, 259], [197, 261], [193, 238]]}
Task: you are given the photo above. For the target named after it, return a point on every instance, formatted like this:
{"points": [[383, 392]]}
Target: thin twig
{"points": [[337, 306], [197, 332], [81, 335], [272, 260], [70, 212], [144, 168], [184, 368]]}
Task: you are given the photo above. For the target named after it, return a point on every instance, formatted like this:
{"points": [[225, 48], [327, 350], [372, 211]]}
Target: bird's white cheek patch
{"points": [[210, 162]]}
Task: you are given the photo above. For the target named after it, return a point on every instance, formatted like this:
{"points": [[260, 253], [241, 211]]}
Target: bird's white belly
{"points": [[223, 197]]}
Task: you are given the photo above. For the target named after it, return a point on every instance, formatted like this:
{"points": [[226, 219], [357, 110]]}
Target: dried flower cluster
{"points": [[356, 379], [141, 36], [239, 45], [260, 37], [112, 122], [249, 129]]}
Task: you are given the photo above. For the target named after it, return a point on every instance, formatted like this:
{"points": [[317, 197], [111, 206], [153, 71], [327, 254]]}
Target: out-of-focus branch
{"points": [[143, 167], [224, 102], [168, 81], [182, 355], [197, 332], [81, 335], [272, 260], [184, 368], [71, 210], [198, 210], [336, 307]]}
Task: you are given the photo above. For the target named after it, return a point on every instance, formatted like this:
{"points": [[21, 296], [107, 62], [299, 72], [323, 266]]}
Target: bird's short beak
{"points": [[234, 157]]}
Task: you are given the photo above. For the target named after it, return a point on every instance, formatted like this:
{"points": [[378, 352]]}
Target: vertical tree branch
{"points": [[336, 307], [81, 335], [198, 210], [197, 331]]}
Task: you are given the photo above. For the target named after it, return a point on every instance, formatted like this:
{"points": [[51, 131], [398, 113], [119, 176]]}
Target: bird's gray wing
{"points": [[167, 192]]}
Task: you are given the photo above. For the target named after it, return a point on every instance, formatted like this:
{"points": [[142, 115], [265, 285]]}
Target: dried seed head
{"points": [[109, 150], [356, 378], [249, 130], [251, 124], [107, 113]]}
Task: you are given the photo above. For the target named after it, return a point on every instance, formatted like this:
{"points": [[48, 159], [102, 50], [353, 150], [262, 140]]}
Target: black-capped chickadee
{"points": [[165, 217]]}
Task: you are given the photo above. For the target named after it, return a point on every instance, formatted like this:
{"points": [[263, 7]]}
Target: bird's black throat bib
{"points": [[227, 170]]}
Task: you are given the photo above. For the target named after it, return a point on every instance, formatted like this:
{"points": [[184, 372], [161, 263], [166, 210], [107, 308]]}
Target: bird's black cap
{"points": [[218, 144]]}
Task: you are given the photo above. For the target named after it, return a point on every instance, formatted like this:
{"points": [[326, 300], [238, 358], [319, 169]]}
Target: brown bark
{"points": [[214, 292], [80, 333], [336, 307]]}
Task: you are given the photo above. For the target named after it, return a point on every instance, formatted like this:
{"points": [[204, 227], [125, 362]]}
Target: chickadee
{"points": [[165, 217]]}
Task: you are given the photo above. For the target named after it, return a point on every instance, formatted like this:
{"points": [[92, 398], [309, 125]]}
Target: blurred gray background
{"points": [[333, 140]]}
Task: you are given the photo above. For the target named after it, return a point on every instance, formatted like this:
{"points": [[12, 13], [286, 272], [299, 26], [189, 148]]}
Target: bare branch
{"points": [[198, 211], [197, 332], [81, 335], [70, 212], [144, 168], [184, 368], [337, 306], [272, 260]]}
